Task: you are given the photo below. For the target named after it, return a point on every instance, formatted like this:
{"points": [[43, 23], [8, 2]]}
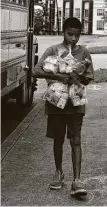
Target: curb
{"points": [[20, 129], [97, 49]]}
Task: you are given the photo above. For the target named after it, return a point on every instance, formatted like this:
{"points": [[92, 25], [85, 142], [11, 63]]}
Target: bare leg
{"points": [[78, 188], [76, 159], [58, 153], [58, 178]]}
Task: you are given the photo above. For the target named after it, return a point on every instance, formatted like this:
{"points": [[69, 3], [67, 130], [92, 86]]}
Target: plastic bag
{"points": [[79, 66], [77, 95], [62, 66], [51, 64], [60, 87], [57, 94], [67, 64]]}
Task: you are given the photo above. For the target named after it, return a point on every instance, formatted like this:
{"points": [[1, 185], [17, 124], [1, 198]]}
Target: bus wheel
{"points": [[4, 100], [24, 97], [30, 99]]}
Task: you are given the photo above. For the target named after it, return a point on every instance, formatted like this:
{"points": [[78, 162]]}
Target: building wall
{"points": [[98, 8], [60, 9], [96, 25], [60, 3], [77, 10]]}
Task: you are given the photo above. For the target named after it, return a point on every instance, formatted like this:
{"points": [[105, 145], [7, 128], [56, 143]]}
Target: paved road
{"points": [[99, 60], [28, 167], [12, 116]]}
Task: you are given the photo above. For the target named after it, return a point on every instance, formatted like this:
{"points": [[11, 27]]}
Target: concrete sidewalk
{"points": [[28, 165]]}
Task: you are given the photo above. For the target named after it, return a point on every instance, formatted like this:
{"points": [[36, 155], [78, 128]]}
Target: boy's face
{"points": [[71, 36]]}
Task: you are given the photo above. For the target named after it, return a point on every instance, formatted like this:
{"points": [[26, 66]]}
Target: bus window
{"points": [[20, 2]]}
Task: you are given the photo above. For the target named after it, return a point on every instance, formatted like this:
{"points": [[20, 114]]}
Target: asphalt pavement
{"points": [[94, 43], [28, 165], [27, 155], [90, 41]]}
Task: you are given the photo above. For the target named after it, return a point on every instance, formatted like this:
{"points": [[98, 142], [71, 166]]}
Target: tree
{"points": [[38, 20], [41, 23], [105, 12], [105, 17]]}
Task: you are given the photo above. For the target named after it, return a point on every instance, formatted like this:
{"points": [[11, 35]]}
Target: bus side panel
{"points": [[13, 46], [14, 59], [14, 17], [12, 77], [5, 20]]}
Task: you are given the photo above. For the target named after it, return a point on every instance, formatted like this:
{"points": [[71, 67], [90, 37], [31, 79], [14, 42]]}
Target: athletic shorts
{"points": [[60, 124]]}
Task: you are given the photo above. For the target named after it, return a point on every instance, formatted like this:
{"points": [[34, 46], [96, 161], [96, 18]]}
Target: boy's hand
{"points": [[65, 80], [73, 78], [79, 68]]}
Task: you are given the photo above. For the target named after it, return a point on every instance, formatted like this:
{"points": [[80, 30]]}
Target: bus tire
{"points": [[30, 100], [4, 100], [20, 97]]}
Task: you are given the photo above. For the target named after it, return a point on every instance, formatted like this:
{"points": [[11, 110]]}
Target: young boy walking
{"points": [[70, 118]]}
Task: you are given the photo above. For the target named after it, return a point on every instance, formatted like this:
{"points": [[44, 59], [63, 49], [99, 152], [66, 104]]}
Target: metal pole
{"points": [[50, 18], [57, 17], [71, 7], [30, 39]]}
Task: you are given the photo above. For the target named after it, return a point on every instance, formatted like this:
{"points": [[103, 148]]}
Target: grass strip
{"points": [[97, 50], [100, 75]]}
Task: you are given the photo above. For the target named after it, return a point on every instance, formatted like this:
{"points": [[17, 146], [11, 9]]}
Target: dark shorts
{"points": [[58, 125]]}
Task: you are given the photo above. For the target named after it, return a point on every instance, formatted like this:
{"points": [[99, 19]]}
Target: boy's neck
{"points": [[75, 48], [72, 47]]}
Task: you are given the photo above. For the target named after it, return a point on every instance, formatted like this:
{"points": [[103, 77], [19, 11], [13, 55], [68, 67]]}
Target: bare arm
{"points": [[40, 73]]}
